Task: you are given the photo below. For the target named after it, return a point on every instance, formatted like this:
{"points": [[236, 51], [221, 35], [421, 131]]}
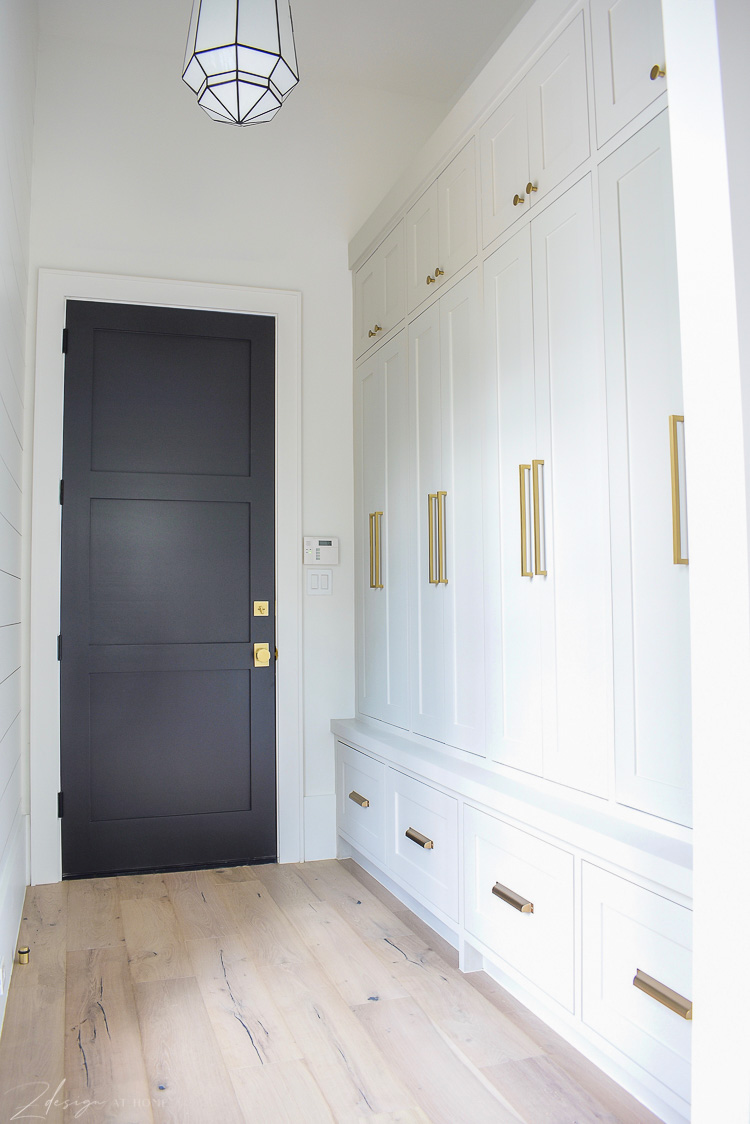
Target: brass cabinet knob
{"points": [[439, 272], [430, 280], [657, 72], [530, 187], [518, 199], [374, 331]]}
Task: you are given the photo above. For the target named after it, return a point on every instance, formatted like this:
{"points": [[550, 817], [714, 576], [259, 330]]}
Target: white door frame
{"points": [[55, 288]]}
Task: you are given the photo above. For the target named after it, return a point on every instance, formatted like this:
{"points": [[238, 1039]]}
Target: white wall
{"points": [[17, 77], [131, 177]]}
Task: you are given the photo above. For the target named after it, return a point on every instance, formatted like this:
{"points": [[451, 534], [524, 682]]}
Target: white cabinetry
{"points": [[538, 135], [447, 621], [441, 228], [422, 840], [382, 420], [361, 800], [651, 612], [629, 65], [379, 292], [553, 652], [627, 930]]}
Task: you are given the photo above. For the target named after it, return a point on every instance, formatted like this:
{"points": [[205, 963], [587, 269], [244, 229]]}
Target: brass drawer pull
{"points": [[663, 994], [361, 800], [417, 837], [511, 898]]}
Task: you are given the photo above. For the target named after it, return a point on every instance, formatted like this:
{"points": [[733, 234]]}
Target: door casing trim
{"points": [[55, 288]]}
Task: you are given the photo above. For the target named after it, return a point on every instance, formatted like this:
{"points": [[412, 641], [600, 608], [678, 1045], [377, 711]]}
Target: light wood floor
{"points": [[265, 995]]}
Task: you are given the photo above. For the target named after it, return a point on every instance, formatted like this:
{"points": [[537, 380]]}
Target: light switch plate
{"points": [[319, 583]]}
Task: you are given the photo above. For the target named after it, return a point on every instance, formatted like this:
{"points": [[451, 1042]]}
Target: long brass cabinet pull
{"points": [[674, 461], [512, 898], [431, 501], [442, 558], [372, 550], [525, 571], [663, 994], [361, 800], [535, 466], [376, 575], [418, 838]]}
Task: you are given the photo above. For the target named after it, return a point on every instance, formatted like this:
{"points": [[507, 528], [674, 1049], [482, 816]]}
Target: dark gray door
{"points": [[168, 728]]}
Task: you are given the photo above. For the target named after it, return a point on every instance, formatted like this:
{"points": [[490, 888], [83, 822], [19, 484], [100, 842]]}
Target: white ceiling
{"points": [[422, 48]]}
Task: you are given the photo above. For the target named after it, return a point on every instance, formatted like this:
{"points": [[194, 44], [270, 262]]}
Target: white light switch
{"points": [[319, 582]]}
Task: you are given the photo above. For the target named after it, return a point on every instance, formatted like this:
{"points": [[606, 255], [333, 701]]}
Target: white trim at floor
{"points": [[55, 288]]}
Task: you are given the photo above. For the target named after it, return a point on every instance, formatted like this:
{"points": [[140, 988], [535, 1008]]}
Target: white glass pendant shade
{"points": [[240, 58]]}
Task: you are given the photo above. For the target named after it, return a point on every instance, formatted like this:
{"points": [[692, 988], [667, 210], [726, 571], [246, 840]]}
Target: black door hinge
{"points": [[59, 647], [65, 341], [59, 805], [62, 492]]}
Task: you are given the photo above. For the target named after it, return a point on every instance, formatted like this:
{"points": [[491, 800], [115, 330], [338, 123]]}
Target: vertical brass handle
{"points": [[675, 466], [417, 837], [657, 72], [663, 994], [525, 571], [512, 898], [442, 558], [431, 499], [377, 516], [535, 465], [372, 551]]}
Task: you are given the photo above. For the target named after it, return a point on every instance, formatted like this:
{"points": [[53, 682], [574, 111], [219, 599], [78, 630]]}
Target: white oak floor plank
{"points": [[153, 937], [94, 919], [198, 903], [284, 1093]]}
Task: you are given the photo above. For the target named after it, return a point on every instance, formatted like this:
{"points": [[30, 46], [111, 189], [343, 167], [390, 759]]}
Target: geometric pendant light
{"points": [[241, 59]]}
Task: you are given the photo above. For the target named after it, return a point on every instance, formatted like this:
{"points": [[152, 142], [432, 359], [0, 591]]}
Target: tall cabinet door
{"points": [[572, 494], [428, 514], [462, 564], [514, 706], [421, 246], [644, 385], [504, 146], [383, 563], [628, 43]]}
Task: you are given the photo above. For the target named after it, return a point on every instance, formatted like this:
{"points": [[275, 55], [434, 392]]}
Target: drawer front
{"points": [[539, 944], [627, 929], [362, 779], [428, 815]]}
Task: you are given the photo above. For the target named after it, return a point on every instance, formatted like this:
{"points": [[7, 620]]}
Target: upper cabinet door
{"points": [[514, 719], [644, 388], [504, 153], [379, 292], [422, 247], [558, 112], [457, 214], [629, 63], [572, 500]]}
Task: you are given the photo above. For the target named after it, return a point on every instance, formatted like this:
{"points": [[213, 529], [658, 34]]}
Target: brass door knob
{"points": [[439, 272], [261, 655], [430, 280], [657, 72], [530, 187], [518, 199]]}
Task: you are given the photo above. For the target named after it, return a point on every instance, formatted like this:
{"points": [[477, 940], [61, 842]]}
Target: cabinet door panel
{"points": [[368, 287], [427, 658], [628, 40], [462, 480], [514, 656], [504, 153], [393, 280], [558, 111], [644, 386], [457, 212], [421, 246], [572, 442]]}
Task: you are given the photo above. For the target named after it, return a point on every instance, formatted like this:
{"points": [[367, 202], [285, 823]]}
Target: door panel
{"points": [[457, 210], [462, 480], [513, 596], [628, 41], [644, 387], [427, 656], [168, 730], [572, 442], [504, 145], [421, 246]]}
